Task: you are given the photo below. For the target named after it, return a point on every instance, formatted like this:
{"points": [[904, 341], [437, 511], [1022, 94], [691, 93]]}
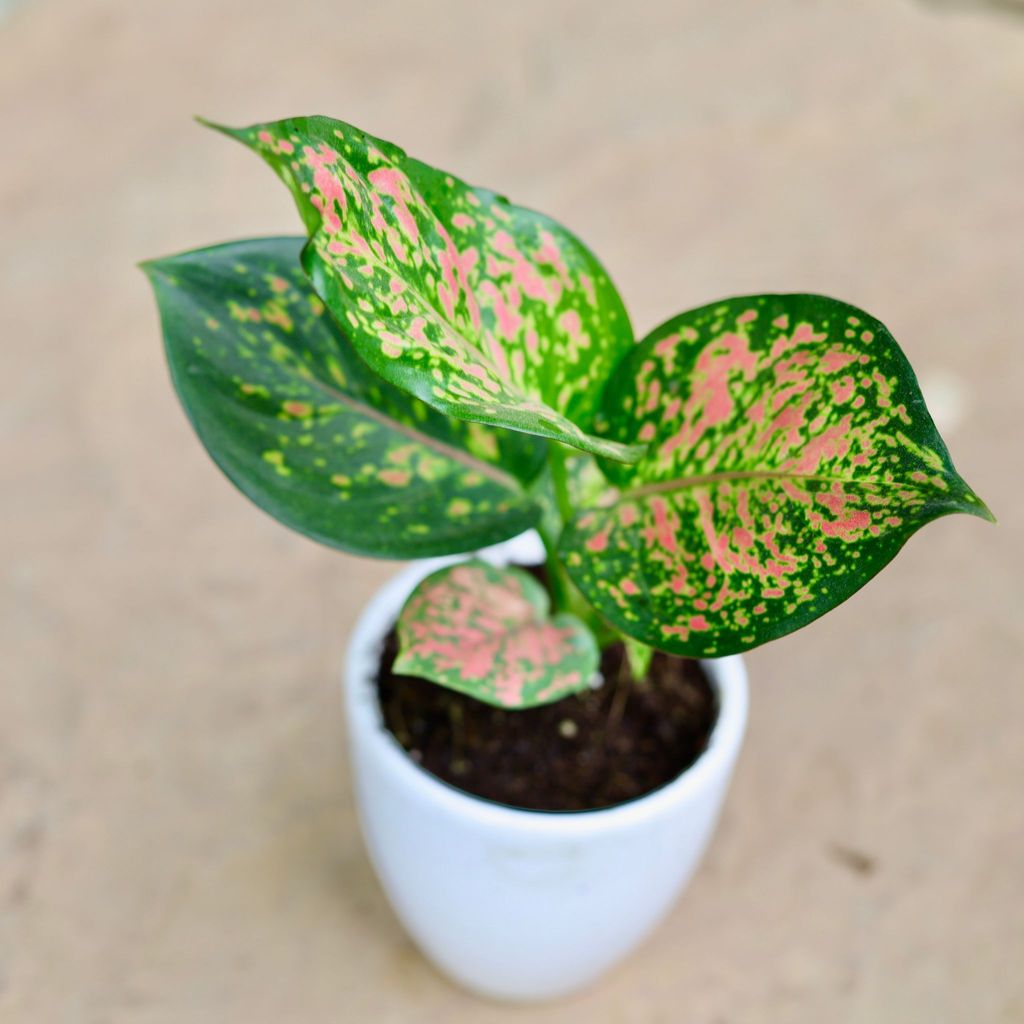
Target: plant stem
{"points": [[564, 594], [556, 502], [560, 480], [624, 682], [558, 579], [557, 514]]}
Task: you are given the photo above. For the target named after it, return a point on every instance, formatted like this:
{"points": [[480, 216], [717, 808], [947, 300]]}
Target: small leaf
{"points": [[299, 423], [485, 631], [791, 457], [484, 310]]}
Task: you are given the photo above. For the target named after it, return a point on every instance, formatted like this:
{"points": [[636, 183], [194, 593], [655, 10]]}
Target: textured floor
{"points": [[177, 843]]}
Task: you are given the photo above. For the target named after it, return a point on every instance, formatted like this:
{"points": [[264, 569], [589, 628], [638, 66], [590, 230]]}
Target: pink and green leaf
{"points": [[791, 457], [304, 428], [484, 310], [486, 632]]}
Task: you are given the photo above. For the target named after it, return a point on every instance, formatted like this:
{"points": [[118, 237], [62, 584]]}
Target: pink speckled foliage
{"points": [[433, 369], [485, 310], [790, 457], [486, 631]]}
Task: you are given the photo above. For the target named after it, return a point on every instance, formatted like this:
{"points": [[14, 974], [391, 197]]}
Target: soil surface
{"points": [[590, 750]]}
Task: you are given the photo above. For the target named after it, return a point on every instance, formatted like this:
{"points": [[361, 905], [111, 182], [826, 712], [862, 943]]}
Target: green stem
{"points": [[567, 598], [560, 481], [551, 490], [558, 579], [557, 513]]}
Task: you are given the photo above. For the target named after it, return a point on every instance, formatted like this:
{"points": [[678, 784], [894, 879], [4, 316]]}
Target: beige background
{"points": [[177, 841]]}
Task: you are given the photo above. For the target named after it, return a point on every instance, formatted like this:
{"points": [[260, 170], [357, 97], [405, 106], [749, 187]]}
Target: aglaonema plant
{"points": [[432, 369]]}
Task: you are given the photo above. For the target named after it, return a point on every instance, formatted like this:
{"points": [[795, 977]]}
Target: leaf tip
{"points": [[234, 133], [634, 453], [970, 503], [982, 511], [151, 268], [630, 454]]}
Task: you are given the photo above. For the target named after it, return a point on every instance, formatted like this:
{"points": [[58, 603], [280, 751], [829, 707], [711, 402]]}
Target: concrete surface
{"points": [[177, 841]]}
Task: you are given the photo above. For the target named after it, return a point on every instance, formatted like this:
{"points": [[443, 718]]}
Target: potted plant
{"points": [[432, 370]]}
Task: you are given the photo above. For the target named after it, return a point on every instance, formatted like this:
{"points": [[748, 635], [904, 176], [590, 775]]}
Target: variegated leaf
{"points": [[791, 457], [484, 310], [485, 631], [304, 428]]}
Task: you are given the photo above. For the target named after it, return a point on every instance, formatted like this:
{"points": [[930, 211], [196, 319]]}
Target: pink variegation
{"points": [[740, 471], [485, 631], [485, 310], [791, 457]]}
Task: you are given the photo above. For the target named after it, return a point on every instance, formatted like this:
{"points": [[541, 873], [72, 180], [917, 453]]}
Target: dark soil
{"points": [[590, 750]]}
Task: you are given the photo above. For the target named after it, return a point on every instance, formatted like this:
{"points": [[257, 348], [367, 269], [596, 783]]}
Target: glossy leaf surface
{"points": [[791, 457], [304, 428], [485, 631], [484, 310]]}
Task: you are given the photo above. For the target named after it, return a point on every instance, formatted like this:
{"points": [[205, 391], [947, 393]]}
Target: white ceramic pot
{"points": [[515, 904]]}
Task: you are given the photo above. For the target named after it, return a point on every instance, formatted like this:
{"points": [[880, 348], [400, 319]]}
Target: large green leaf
{"points": [[484, 310], [304, 428], [485, 631], [791, 457]]}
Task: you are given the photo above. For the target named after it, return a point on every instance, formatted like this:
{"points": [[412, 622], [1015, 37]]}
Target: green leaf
{"points": [[298, 422], [485, 631], [484, 310], [791, 458]]}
